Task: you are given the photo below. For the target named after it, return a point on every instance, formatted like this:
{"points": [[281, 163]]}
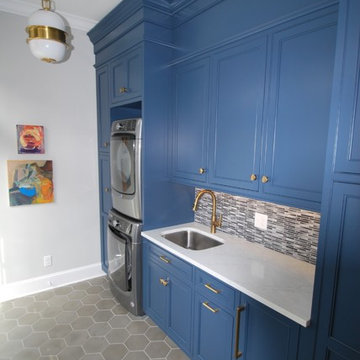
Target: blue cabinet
{"points": [[126, 74], [191, 117], [237, 114], [105, 184], [302, 61], [168, 296], [103, 109]]}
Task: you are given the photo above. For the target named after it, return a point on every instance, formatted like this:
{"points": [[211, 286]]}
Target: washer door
{"points": [[119, 257]]}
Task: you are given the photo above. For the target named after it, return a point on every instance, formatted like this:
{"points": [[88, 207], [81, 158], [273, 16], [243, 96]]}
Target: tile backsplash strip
{"points": [[290, 231]]}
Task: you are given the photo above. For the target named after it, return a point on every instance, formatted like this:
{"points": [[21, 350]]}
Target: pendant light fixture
{"points": [[47, 36]]}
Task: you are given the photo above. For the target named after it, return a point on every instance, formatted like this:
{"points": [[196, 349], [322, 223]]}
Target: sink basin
{"points": [[191, 239]]}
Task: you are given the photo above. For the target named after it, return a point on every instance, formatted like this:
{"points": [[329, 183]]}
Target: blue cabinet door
{"points": [[190, 127], [103, 242], [104, 183], [265, 334], [348, 147], [103, 108], [299, 104], [126, 77], [213, 331], [237, 115], [339, 324]]}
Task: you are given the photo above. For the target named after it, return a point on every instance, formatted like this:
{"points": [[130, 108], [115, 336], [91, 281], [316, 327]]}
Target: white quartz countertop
{"points": [[279, 281]]}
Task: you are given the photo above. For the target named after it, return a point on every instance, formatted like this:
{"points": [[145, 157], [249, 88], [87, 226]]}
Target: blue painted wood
{"points": [[265, 334], [213, 334], [126, 77], [339, 324], [191, 100], [299, 103], [237, 114], [103, 242], [103, 111], [104, 182], [348, 147]]}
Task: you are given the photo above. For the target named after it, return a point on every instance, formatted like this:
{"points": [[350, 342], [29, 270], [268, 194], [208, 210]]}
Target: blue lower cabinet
{"points": [[264, 333], [103, 241], [213, 334]]}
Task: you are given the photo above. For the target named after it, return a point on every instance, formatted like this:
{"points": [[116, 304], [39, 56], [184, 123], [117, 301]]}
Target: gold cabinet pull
{"points": [[239, 309], [123, 90], [208, 286], [264, 179], [107, 189], [164, 259], [164, 282], [253, 177], [206, 304], [106, 144], [202, 171]]}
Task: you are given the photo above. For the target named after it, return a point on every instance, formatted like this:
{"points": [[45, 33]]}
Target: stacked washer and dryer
{"points": [[124, 220]]}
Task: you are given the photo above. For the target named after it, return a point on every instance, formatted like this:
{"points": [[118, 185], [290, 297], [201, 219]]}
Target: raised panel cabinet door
{"points": [[237, 117], [339, 324], [103, 110], [103, 242], [190, 126], [302, 60], [264, 334], [213, 331], [155, 291], [105, 183], [180, 313], [126, 77], [348, 147]]}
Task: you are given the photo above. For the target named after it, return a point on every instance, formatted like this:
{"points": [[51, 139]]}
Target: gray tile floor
{"points": [[82, 321]]}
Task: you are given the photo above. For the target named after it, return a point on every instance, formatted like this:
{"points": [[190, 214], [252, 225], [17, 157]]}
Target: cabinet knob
{"points": [[264, 179], [253, 177], [106, 144], [164, 282], [202, 171], [107, 189], [123, 90]]}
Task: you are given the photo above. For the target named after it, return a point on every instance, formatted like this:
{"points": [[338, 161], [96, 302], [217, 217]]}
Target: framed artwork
{"points": [[30, 139], [30, 182]]}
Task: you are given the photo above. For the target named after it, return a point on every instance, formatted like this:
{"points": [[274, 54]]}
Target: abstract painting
{"points": [[30, 139], [30, 182]]}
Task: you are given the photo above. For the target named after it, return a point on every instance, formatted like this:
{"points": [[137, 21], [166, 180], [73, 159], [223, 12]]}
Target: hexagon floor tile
{"points": [[82, 321]]}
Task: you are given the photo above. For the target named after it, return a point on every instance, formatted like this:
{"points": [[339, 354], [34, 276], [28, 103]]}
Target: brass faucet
{"points": [[214, 222]]}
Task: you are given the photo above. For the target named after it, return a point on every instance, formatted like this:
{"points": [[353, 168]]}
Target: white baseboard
{"points": [[34, 285]]}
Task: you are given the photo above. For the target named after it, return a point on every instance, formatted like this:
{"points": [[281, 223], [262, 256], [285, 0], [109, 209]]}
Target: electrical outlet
{"points": [[261, 221], [47, 260]]}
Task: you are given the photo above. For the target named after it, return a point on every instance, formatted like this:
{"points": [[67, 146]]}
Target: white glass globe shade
{"points": [[47, 18], [47, 50]]}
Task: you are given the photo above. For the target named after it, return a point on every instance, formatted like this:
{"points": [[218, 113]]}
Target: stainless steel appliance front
{"points": [[124, 261], [125, 169]]}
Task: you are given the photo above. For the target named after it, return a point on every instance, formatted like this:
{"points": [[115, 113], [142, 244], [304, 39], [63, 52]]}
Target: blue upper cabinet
{"points": [[103, 110], [302, 62], [190, 123], [126, 77], [348, 148], [237, 114]]}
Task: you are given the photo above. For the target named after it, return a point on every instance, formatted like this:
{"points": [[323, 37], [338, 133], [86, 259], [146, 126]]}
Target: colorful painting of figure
{"points": [[30, 139], [30, 182]]}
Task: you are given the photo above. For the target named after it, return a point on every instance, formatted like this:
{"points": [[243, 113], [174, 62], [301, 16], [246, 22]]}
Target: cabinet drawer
{"points": [[215, 290], [170, 263]]}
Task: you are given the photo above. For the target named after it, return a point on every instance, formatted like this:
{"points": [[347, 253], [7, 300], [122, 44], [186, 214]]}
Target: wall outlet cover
{"points": [[47, 260], [261, 221]]}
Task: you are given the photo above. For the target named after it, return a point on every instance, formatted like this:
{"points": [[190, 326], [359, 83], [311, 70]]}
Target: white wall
{"points": [[62, 98]]}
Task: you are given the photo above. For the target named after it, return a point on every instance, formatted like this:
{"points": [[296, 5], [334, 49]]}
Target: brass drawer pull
{"points": [[208, 286], [206, 304], [237, 335], [106, 144], [253, 177], [164, 259], [107, 189], [202, 171], [264, 179], [164, 282], [123, 90]]}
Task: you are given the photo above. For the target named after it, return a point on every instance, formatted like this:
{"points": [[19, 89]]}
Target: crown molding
{"points": [[19, 7]]}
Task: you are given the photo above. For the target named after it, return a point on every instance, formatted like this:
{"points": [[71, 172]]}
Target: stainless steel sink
{"points": [[191, 239]]}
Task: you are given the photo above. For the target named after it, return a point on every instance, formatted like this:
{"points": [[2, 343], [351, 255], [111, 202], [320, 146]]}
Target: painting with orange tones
{"points": [[30, 139], [30, 182]]}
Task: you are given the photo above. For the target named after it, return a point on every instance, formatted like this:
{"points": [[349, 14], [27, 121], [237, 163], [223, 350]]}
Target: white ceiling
{"points": [[81, 14]]}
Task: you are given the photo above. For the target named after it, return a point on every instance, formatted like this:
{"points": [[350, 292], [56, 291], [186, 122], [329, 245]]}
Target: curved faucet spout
{"points": [[214, 221]]}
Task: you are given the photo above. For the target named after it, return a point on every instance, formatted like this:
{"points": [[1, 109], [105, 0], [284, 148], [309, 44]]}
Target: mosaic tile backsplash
{"points": [[291, 231]]}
